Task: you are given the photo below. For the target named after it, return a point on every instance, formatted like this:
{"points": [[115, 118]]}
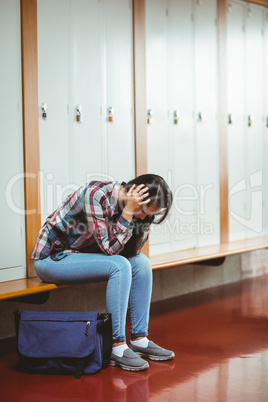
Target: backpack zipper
{"points": [[87, 327]]}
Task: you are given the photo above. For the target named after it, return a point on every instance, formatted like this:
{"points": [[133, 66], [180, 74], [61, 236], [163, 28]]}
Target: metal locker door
{"points": [[182, 124], [236, 121], [53, 87], [265, 176], [86, 72], [207, 130], [12, 234], [254, 119], [159, 156], [118, 82]]}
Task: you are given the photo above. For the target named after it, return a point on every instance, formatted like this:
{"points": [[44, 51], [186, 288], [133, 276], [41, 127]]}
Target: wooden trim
{"points": [[30, 126], [139, 58], [140, 116], [223, 128], [258, 2]]}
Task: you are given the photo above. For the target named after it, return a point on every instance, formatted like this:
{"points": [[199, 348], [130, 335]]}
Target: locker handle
{"points": [[79, 113], [176, 117], [149, 116], [111, 114], [267, 121], [200, 117], [250, 120], [44, 111], [230, 119]]}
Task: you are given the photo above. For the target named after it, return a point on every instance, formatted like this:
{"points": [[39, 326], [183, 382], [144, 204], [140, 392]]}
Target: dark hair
{"points": [[160, 197]]}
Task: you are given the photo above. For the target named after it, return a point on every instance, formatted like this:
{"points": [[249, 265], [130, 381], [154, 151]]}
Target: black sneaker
{"points": [[129, 361], [153, 352]]}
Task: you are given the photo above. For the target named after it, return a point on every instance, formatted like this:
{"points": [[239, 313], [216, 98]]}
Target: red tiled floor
{"points": [[220, 337]]}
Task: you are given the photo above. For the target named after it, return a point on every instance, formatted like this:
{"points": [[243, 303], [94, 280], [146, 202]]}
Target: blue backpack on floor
{"points": [[63, 342]]}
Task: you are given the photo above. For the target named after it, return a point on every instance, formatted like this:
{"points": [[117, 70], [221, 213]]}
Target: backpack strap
{"points": [[79, 368], [106, 329]]}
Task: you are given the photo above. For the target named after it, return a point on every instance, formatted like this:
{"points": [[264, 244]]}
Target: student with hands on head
{"points": [[97, 234]]}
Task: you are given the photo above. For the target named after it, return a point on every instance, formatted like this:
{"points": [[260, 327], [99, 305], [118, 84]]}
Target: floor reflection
{"points": [[220, 338]]}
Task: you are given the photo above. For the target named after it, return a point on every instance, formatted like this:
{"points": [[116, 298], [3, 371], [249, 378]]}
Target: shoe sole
{"points": [[128, 368], [156, 358]]}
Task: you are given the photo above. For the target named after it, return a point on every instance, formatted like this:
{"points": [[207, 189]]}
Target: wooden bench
{"points": [[30, 286]]}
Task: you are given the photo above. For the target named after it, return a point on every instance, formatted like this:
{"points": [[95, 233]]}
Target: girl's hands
{"points": [[134, 200]]}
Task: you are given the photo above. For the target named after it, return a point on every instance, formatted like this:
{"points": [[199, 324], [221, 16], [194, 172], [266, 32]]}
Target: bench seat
{"points": [[30, 286], [208, 253]]}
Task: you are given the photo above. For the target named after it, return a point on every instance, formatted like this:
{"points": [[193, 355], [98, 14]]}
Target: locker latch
{"points": [[149, 116], [111, 114], [176, 117], [200, 117], [44, 111], [78, 112]]}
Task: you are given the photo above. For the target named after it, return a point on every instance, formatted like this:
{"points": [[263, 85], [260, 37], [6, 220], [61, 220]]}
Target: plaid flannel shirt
{"points": [[88, 220]]}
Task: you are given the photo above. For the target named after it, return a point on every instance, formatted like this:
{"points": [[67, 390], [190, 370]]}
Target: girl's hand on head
{"points": [[136, 198]]}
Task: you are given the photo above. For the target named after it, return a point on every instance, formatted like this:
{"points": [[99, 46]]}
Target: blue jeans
{"points": [[129, 284]]}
